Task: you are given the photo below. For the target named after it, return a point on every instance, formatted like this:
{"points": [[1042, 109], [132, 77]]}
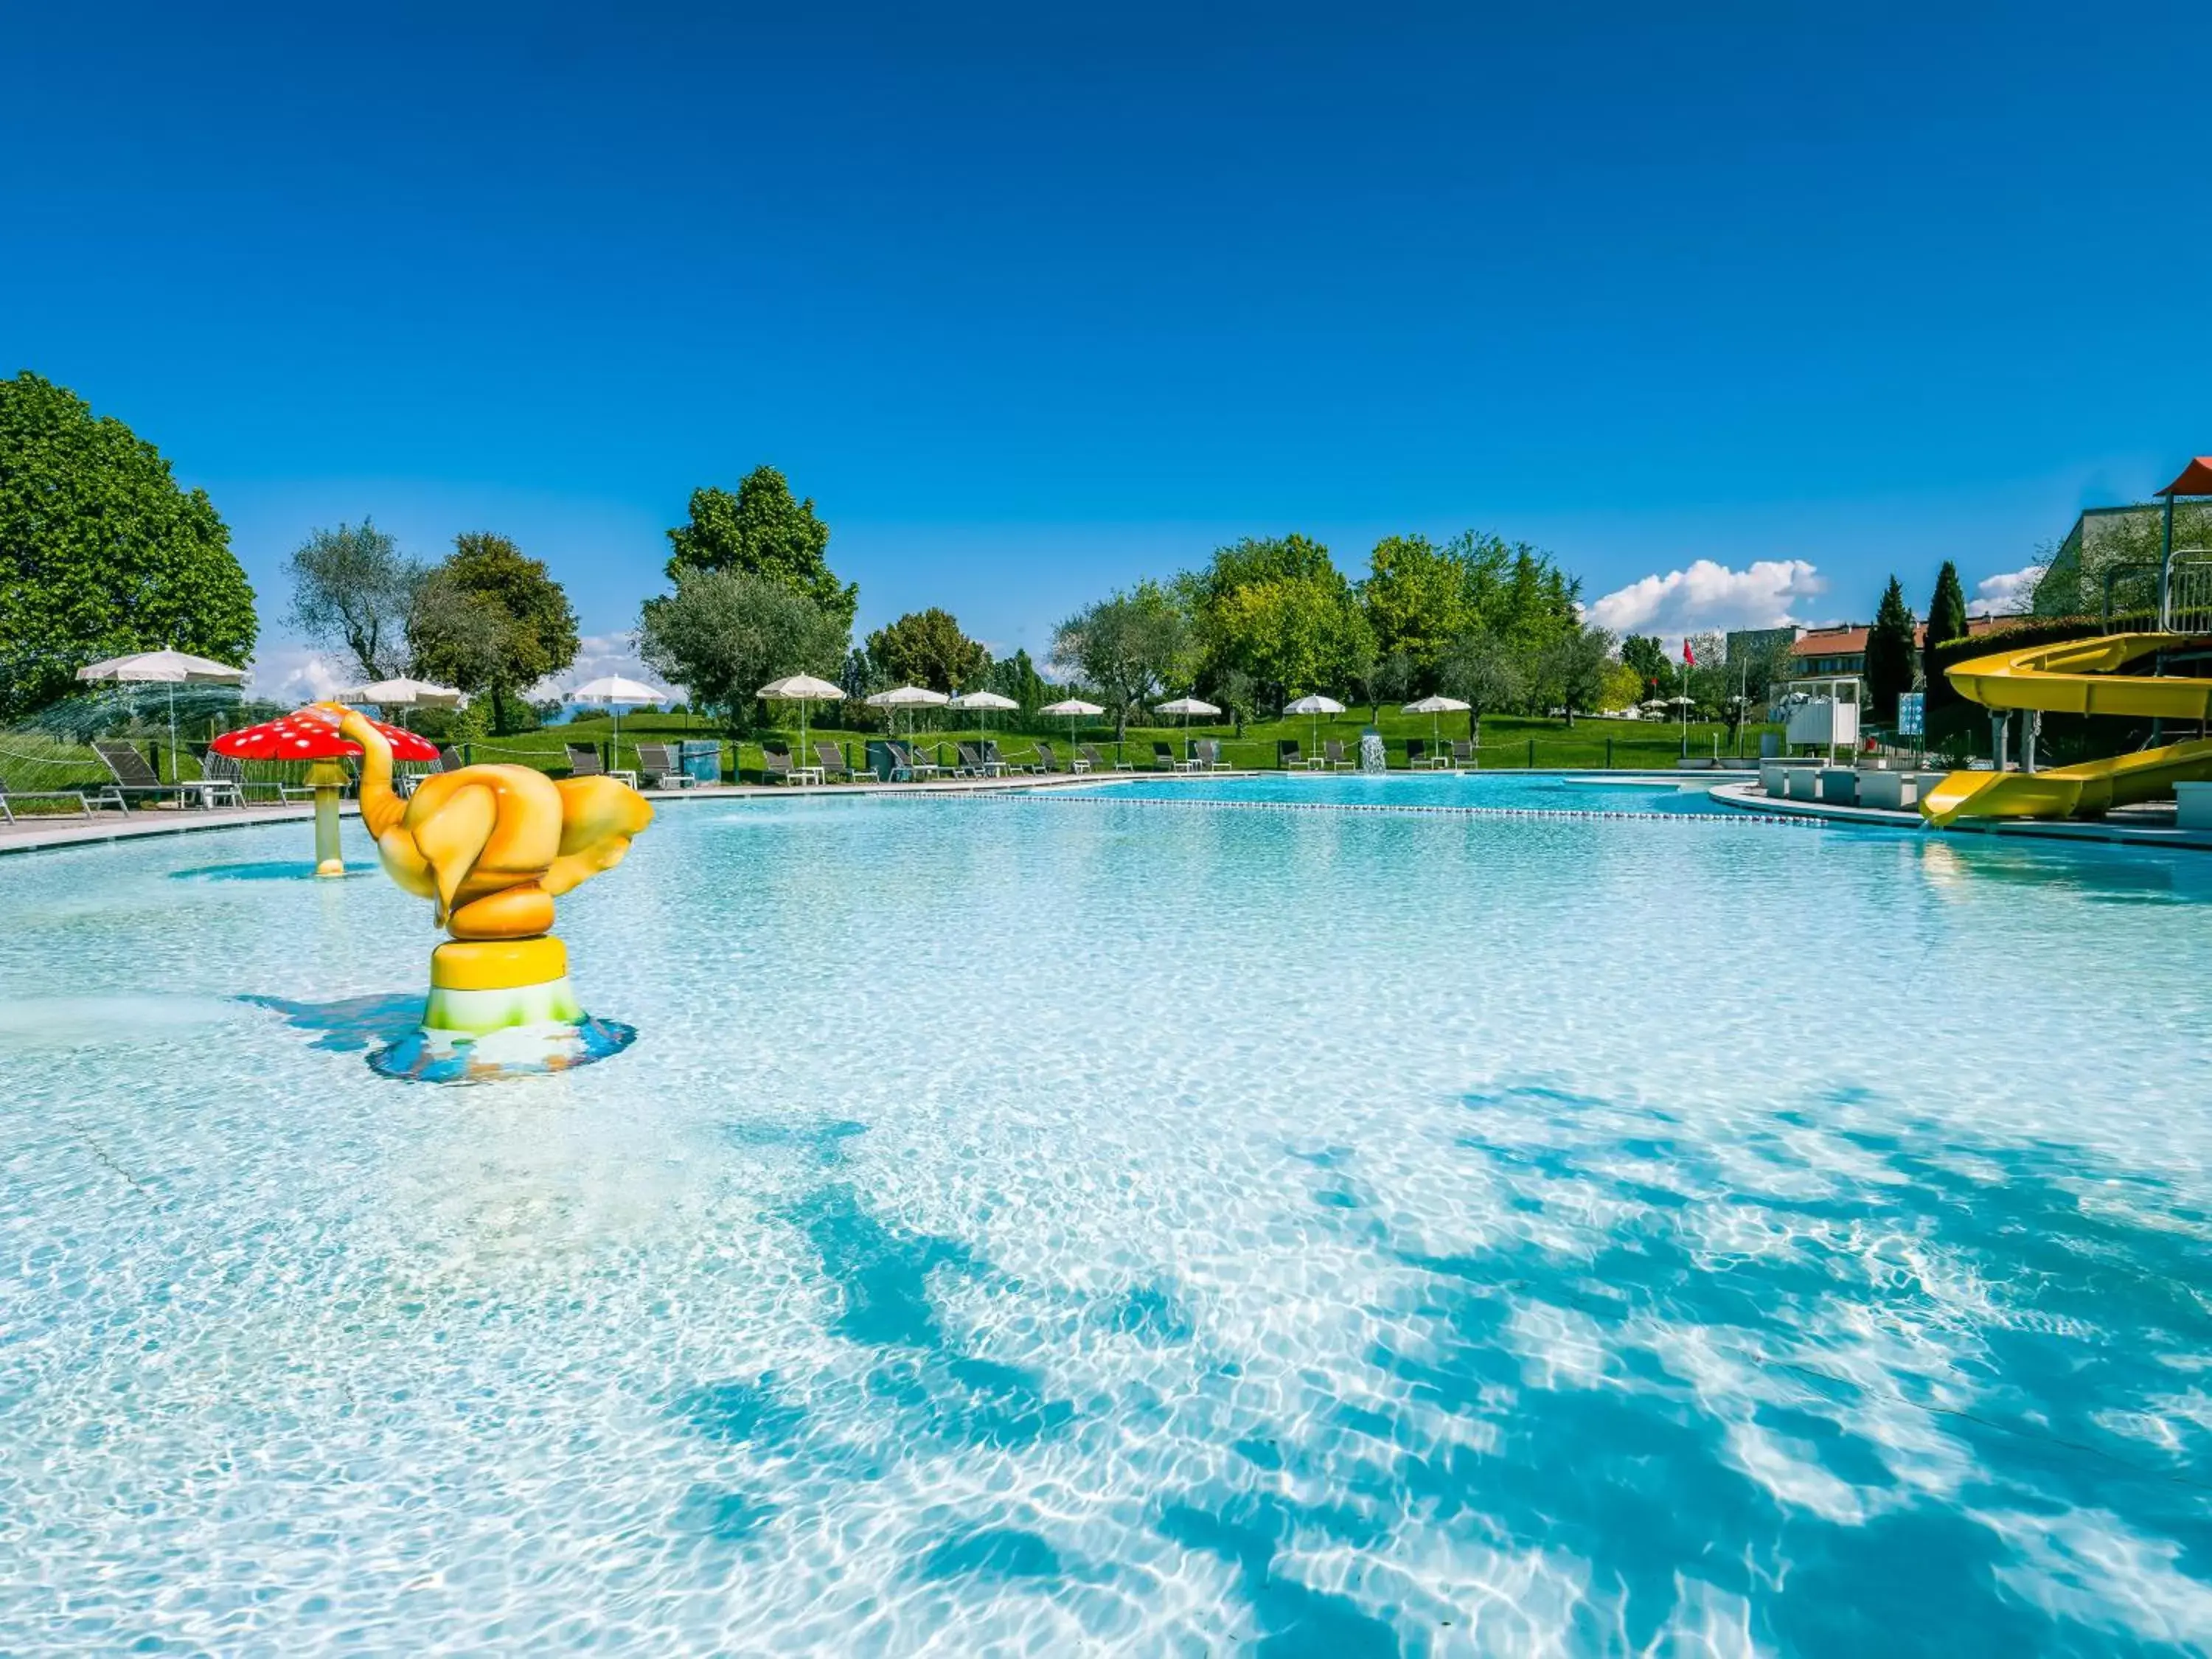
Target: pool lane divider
{"points": [[1573, 814]]}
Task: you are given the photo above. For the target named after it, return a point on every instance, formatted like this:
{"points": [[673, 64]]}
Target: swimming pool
{"points": [[1074, 1224]]}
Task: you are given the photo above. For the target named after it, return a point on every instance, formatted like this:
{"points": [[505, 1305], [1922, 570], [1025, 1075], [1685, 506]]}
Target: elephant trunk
{"points": [[380, 806]]}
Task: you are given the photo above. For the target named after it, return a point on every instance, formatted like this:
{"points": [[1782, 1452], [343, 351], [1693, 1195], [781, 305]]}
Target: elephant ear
{"points": [[451, 838]]}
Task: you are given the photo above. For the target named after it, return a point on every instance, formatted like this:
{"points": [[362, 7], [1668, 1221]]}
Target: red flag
{"points": [[1689, 657]]}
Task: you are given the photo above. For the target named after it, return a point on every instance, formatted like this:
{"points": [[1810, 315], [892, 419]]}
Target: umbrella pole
{"points": [[176, 774]]}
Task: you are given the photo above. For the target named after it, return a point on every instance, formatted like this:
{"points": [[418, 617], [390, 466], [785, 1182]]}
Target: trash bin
{"points": [[700, 759]]}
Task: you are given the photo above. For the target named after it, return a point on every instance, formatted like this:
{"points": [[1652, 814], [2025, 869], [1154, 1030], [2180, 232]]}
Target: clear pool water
{"points": [[1079, 1225]]}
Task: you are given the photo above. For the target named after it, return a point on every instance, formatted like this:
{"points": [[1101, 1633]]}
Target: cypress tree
{"points": [[1946, 621], [1889, 652]]}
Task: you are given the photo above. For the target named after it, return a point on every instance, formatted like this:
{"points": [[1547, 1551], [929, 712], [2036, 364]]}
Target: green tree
{"points": [[1655, 670], [1384, 676], [1128, 648], [725, 633], [1889, 652], [926, 647], [1017, 677], [496, 624], [352, 587], [1293, 635], [1623, 689], [1572, 669], [1946, 621], [1417, 600], [101, 553], [1487, 673], [1513, 590], [764, 531]]}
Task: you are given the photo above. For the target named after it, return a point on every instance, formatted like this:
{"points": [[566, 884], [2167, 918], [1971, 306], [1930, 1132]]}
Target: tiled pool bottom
{"points": [[1021, 1227]]}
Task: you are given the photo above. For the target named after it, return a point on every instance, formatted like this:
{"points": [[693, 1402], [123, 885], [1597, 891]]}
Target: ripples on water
{"points": [[1035, 1228]]}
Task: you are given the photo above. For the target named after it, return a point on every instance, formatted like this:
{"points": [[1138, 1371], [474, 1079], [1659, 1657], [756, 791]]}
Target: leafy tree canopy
{"points": [[101, 553], [1260, 559], [1017, 677], [352, 587], [1128, 648], [1485, 672], [1416, 600], [1419, 598], [764, 531], [1293, 635], [1574, 670], [1653, 668], [493, 621], [725, 633], [926, 647]]}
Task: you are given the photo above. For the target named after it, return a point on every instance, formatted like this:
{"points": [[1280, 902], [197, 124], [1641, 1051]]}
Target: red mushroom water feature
{"points": [[312, 734]]}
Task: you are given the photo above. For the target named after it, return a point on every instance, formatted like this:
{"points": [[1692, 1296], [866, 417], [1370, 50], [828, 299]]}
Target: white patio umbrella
{"points": [[1316, 705], [170, 668], [804, 690], [1074, 709], [982, 702], [1433, 707], [614, 690], [909, 697], [403, 694]]}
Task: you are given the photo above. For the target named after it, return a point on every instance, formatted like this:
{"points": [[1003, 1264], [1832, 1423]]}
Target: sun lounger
{"points": [[1094, 761], [1462, 754], [225, 775], [583, 760], [1049, 761], [776, 767], [975, 763], [1205, 756], [1333, 755], [8, 813], [1164, 758], [991, 756], [1420, 757], [1289, 757], [657, 763], [909, 761], [831, 761], [130, 776]]}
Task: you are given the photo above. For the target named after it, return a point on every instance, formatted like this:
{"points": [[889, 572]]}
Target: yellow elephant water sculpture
{"points": [[492, 847]]}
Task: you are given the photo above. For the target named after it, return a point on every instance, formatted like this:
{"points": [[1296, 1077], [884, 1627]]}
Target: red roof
{"points": [[2195, 479], [1850, 639]]}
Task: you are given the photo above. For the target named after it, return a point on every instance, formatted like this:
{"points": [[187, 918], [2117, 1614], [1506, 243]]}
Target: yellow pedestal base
{"points": [[498, 965], [478, 986]]}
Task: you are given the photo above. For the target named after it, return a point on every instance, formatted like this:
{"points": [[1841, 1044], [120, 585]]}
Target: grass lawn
{"points": [[32, 761], [1508, 741]]}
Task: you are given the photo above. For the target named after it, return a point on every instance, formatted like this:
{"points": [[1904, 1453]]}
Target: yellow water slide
{"points": [[2077, 678]]}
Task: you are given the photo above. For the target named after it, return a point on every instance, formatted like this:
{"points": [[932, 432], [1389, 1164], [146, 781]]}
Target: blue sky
{"points": [[1037, 300]]}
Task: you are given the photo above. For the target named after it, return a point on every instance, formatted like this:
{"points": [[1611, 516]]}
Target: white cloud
{"points": [[2005, 595], [597, 655], [1709, 596], [294, 673]]}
